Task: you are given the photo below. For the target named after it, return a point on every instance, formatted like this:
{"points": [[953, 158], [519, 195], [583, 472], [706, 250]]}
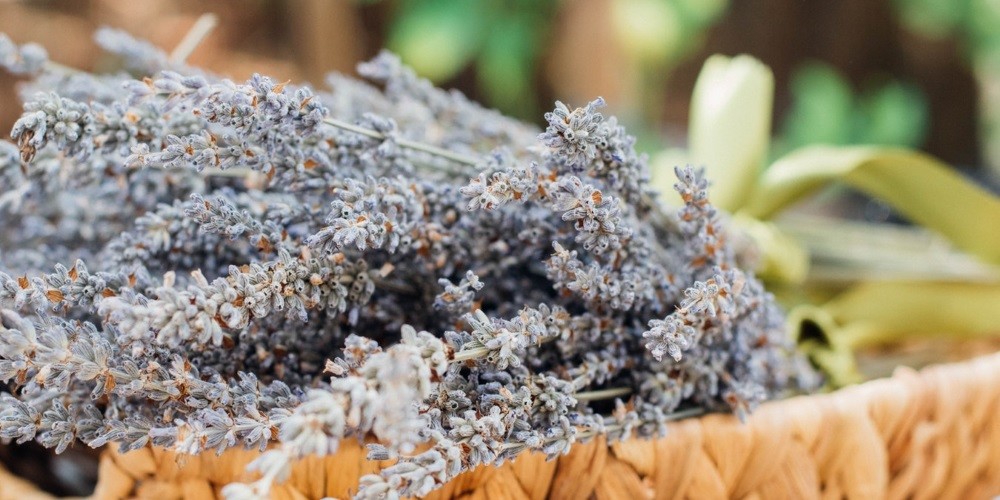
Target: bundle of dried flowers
{"points": [[264, 265]]}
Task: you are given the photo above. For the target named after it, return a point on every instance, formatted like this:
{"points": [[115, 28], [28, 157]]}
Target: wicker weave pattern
{"points": [[933, 434]]}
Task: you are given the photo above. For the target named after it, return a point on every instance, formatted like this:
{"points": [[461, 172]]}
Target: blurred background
{"points": [[923, 74], [917, 73]]}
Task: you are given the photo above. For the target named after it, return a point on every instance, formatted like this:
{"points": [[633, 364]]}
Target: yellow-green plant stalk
{"points": [[923, 189], [883, 312], [888, 295], [730, 125]]}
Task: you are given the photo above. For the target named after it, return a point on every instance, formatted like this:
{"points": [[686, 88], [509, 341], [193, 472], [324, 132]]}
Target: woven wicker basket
{"points": [[928, 434]]}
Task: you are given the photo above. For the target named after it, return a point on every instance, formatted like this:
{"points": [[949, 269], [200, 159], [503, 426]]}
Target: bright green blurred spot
{"points": [[895, 115], [826, 111], [695, 18], [505, 68], [821, 110], [437, 37], [935, 18], [699, 13], [984, 24], [649, 30]]}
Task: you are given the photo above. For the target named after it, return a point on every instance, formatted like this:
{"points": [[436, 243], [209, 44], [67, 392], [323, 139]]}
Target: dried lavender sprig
{"points": [[420, 474], [137, 55], [203, 311], [461, 121], [140, 55], [64, 354], [329, 424], [416, 146], [21, 60], [614, 392]]}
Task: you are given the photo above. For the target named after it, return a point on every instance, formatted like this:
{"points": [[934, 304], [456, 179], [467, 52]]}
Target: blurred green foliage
{"points": [[975, 22], [502, 41], [976, 25], [658, 34], [825, 110]]}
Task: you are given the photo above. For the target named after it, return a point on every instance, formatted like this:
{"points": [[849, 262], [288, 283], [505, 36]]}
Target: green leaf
{"points": [[780, 258], [895, 115], [934, 18], [848, 251], [505, 66], [438, 37], [648, 31], [892, 310], [822, 108], [699, 13], [885, 312], [983, 18], [923, 189], [730, 125], [819, 336]]}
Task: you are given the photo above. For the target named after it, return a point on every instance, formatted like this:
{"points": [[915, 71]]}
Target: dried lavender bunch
{"points": [[198, 264]]}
